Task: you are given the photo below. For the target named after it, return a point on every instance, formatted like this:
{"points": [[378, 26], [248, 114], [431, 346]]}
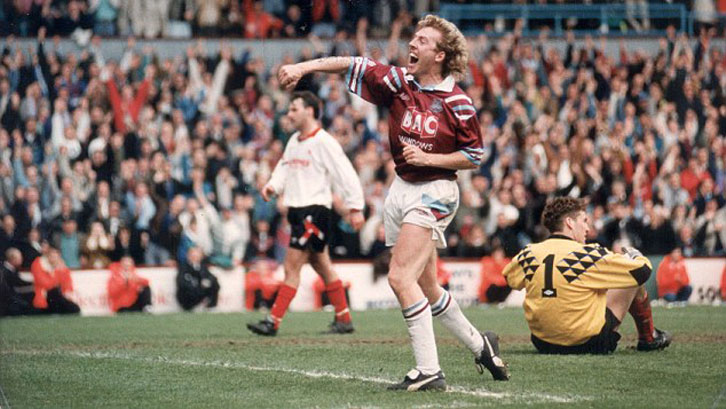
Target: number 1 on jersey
{"points": [[549, 290]]}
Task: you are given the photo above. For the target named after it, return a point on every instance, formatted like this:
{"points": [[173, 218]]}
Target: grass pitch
{"points": [[211, 361]]}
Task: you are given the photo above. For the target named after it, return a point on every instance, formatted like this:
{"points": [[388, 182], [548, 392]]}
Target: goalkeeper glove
{"points": [[632, 252]]}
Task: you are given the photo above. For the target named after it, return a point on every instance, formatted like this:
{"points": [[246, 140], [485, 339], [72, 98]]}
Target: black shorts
{"points": [[309, 227], [601, 344]]}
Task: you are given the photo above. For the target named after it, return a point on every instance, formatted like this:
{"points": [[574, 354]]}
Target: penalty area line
{"points": [[479, 393]]}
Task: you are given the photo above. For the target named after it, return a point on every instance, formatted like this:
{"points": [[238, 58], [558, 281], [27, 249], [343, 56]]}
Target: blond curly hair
{"points": [[452, 43]]}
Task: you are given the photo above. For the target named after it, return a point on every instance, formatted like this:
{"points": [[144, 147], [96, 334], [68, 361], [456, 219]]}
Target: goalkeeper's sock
{"points": [[447, 310], [282, 302], [643, 316], [421, 331], [336, 295]]}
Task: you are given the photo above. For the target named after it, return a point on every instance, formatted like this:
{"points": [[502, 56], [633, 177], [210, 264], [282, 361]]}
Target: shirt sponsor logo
{"points": [[421, 145], [298, 163], [423, 124]]}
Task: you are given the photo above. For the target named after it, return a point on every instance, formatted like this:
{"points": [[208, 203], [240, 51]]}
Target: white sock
{"points": [[447, 310], [421, 331]]}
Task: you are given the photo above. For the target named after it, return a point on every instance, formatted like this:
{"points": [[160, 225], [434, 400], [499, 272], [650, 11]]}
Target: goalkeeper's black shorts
{"points": [[603, 343]]}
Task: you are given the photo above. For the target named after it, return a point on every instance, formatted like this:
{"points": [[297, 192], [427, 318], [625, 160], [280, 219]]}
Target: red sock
{"points": [[643, 317], [336, 294], [282, 302]]}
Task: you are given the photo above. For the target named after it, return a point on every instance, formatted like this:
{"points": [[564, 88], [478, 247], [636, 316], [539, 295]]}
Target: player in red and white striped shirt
{"points": [[434, 131]]}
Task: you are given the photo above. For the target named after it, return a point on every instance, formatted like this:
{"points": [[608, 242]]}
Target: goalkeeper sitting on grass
{"points": [[578, 293]]}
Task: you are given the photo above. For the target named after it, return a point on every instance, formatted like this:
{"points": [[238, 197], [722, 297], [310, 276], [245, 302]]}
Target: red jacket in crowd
{"points": [[46, 278], [491, 274], [671, 275], [319, 7], [260, 277], [259, 24], [124, 286], [127, 111], [443, 276]]}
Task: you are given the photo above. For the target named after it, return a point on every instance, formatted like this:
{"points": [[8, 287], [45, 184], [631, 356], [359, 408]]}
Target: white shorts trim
{"points": [[427, 204]]}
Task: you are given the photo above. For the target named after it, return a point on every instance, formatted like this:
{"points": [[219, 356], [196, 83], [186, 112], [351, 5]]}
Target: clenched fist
{"points": [[289, 75], [415, 156]]}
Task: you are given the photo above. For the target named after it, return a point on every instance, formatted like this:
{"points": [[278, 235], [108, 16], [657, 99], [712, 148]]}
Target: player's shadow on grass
{"points": [[519, 351]]}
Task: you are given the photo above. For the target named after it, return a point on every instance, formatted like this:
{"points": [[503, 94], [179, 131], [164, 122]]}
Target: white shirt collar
{"points": [[447, 85]]}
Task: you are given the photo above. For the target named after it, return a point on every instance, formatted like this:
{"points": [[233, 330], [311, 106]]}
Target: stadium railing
{"points": [[470, 18]]}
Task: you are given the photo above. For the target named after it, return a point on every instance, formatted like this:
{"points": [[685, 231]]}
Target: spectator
{"points": [[114, 222], [127, 291], [259, 23], [325, 16], [672, 194], [143, 18], [198, 231], [658, 235], [710, 236], [140, 206], [493, 288], [475, 243], [209, 17], [181, 16], [379, 243], [105, 13], [8, 238], [34, 247], [706, 192], [128, 243], [672, 277], [97, 247], [236, 228], [68, 242], [52, 282], [262, 243], [126, 106], [293, 23], [195, 284], [17, 294], [165, 243], [443, 275], [261, 286]]}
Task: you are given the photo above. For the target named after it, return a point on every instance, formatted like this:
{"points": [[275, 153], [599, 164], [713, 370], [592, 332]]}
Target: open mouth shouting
{"points": [[412, 61]]}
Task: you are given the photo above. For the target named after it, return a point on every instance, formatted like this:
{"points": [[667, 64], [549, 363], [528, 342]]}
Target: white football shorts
{"points": [[426, 204]]}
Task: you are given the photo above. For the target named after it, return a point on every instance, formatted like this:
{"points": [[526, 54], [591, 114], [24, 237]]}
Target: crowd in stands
{"points": [[259, 19], [187, 18], [150, 158]]}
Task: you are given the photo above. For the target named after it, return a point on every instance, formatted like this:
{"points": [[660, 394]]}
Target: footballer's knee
{"points": [[292, 279], [395, 282], [292, 274], [398, 279]]}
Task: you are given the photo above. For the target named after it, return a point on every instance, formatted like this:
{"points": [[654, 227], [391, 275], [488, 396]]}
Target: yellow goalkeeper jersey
{"points": [[566, 283]]}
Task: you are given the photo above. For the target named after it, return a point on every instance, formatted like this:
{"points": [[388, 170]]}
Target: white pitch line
{"points": [[480, 393], [718, 399]]}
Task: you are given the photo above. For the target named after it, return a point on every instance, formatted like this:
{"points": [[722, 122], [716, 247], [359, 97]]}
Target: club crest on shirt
{"points": [[436, 106], [402, 96]]}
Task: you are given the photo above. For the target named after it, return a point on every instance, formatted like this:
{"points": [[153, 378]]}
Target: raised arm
{"points": [[290, 74]]}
